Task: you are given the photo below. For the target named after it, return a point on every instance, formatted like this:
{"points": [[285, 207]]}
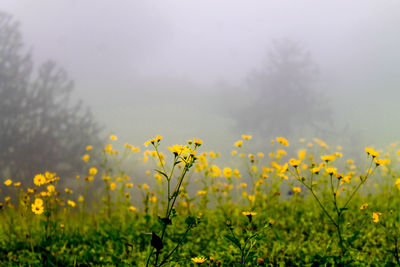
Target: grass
{"points": [[308, 207]]}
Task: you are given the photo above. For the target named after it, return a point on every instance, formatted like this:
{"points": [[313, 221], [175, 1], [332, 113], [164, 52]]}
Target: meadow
{"points": [[297, 205]]}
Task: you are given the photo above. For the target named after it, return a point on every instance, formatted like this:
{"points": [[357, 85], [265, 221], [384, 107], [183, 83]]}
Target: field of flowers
{"points": [[300, 204]]}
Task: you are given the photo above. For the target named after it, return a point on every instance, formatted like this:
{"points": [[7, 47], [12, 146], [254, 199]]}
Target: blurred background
{"points": [[72, 72]]}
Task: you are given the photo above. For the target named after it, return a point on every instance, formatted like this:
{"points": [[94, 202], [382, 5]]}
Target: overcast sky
{"points": [[116, 50]]}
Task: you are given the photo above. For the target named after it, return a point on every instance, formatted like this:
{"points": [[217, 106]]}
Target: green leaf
{"points": [[233, 240]]}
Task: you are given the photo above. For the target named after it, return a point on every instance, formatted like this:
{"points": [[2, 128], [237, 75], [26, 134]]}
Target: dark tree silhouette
{"points": [[283, 94], [40, 128]]}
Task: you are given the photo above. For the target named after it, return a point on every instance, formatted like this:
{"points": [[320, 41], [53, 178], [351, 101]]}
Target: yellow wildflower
{"points": [[364, 206], [201, 192], [370, 151], [381, 162], [296, 189], [227, 172], [37, 207], [294, 162], [154, 140], [92, 171], [239, 143], [282, 141], [328, 158], [179, 150], [246, 137], [199, 260], [132, 208], [8, 182], [113, 186], [113, 137], [88, 148], [86, 157], [71, 203], [375, 216], [39, 179], [331, 170]]}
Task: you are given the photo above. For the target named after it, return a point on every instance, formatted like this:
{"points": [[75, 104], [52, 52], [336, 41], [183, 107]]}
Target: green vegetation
{"points": [[300, 207]]}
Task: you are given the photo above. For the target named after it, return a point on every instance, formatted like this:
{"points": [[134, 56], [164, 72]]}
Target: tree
{"points": [[283, 96], [40, 128]]}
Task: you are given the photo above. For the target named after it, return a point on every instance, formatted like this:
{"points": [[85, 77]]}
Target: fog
{"points": [[179, 68]]}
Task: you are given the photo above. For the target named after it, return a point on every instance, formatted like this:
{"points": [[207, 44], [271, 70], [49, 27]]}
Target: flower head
{"points": [[39, 180], [296, 189], [37, 206], [282, 141], [199, 260], [246, 137], [375, 216], [8, 182]]}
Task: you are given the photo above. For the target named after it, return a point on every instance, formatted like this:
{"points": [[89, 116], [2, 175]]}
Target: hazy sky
{"points": [[117, 50]]}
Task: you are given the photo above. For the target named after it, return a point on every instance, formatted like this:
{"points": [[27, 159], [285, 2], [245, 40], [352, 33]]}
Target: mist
{"points": [[180, 68]]}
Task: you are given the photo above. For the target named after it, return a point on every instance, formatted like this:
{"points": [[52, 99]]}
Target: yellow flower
{"points": [[132, 208], [71, 203], [81, 199], [199, 260], [130, 185], [381, 162], [154, 140], [246, 137], [260, 154], [302, 154], [37, 207], [145, 187], [375, 216], [254, 168], [321, 143], [282, 141], [197, 142], [227, 172], [92, 171], [108, 148], [179, 150], [113, 137], [296, 189], [236, 173], [39, 179], [249, 214], [294, 162], [88, 148], [39, 202], [371, 152], [51, 188], [113, 186], [364, 206], [331, 170], [239, 143], [85, 158], [328, 158], [201, 192], [8, 182], [215, 171]]}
